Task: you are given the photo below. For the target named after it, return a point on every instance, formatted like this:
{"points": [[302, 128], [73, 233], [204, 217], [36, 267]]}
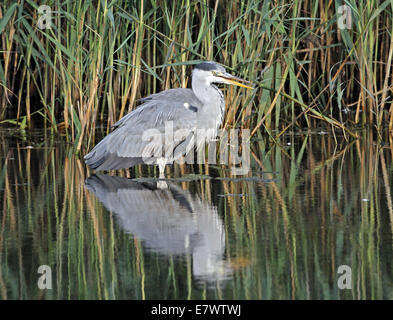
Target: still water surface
{"points": [[309, 205]]}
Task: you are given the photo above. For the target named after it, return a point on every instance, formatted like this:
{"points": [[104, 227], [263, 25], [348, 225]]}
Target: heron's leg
{"points": [[162, 185], [161, 165]]}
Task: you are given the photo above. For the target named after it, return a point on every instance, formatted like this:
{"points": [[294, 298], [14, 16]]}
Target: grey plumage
{"points": [[124, 146], [139, 136]]}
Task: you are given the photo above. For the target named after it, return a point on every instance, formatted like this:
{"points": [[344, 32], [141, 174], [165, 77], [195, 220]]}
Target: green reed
{"points": [[99, 57]]}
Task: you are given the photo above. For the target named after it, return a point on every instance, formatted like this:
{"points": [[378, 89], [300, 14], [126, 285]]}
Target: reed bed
{"points": [[98, 57]]}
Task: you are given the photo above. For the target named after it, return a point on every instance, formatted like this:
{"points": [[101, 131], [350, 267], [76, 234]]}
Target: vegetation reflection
{"points": [[279, 233]]}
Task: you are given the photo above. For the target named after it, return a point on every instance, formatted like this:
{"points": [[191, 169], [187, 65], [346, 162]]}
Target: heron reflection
{"points": [[168, 220]]}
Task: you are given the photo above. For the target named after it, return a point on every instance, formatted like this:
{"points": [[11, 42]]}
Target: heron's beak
{"points": [[230, 79]]}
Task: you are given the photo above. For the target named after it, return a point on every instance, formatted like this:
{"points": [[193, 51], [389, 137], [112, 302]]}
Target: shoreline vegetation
{"points": [[78, 66]]}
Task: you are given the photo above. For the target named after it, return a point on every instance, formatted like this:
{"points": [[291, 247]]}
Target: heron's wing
{"points": [[171, 105], [140, 133]]}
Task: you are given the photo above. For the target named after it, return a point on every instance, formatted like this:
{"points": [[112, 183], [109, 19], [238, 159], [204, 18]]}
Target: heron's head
{"points": [[209, 72]]}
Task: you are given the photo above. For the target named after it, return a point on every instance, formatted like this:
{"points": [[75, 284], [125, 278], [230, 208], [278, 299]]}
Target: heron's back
{"points": [[127, 145]]}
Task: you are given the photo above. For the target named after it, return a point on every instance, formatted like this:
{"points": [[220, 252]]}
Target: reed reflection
{"points": [[168, 220]]}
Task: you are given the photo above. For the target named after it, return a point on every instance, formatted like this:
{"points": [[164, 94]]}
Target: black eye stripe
{"points": [[208, 66]]}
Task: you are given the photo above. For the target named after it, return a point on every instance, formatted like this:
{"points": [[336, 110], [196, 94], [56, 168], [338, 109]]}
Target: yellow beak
{"points": [[230, 79]]}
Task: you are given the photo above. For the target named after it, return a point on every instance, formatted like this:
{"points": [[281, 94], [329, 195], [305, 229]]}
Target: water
{"points": [[308, 206]]}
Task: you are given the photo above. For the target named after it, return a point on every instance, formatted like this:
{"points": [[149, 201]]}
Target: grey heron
{"points": [[188, 110]]}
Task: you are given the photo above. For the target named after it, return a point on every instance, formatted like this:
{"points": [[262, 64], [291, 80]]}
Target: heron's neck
{"points": [[207, 93], [211, 114]]}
